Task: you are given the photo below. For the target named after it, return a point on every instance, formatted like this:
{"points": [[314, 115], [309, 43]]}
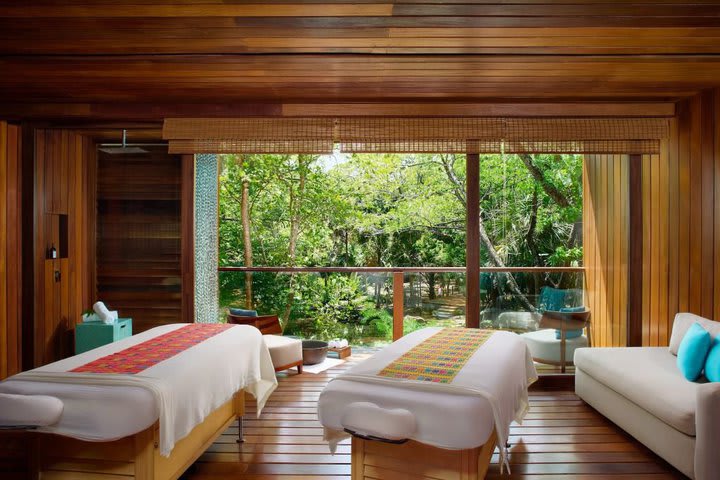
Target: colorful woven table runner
{"points": [[144, 355], [439, 358]]}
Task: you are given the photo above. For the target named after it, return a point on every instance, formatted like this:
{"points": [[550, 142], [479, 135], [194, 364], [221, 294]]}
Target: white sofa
{"points": [[642, 390]]}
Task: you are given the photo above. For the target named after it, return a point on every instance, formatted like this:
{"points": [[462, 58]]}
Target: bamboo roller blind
{"points": [[415, 135]]}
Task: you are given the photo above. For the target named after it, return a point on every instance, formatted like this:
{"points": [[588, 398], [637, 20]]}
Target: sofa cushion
{"points": [[683, 321], [693, 351], [648, 377]]}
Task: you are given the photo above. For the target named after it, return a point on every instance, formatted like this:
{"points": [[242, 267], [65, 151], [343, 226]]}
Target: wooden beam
{"points": [[398, 304], [68, 114], [470, 109], [635, 253], [472, 241]]}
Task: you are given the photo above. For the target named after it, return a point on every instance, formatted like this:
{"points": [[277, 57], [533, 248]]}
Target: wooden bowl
{"points": [[314, 351]]}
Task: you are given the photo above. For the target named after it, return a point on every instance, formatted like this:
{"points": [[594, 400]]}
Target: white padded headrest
{"points": [[370, 420], [29, 410]]}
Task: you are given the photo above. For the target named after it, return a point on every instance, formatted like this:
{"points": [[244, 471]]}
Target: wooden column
{"points": [[635, 253], [472, 241], [187, 238], [398, 304]]}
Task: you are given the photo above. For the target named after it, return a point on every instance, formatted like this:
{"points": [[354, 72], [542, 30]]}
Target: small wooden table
{"points": [[341, 352]]}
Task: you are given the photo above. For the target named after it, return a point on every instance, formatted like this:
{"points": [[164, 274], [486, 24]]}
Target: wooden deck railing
{"points": [[398, 274]]}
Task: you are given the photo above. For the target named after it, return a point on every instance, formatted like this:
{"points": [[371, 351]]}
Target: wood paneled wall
{"points": [[681, 228], [64, 218], [139, 244], [605, 239], [10, 250], [680, 196]]}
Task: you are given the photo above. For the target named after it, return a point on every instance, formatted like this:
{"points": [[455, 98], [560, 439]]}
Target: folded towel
{"points": [[105, 315], [90, 317]]}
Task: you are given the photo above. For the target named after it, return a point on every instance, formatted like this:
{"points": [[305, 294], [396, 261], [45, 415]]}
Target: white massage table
{"points": [[113, 426], [400, 431]]}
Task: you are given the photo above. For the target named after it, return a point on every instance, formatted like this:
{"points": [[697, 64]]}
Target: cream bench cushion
{"points": [[648, 377], [284, 351]]}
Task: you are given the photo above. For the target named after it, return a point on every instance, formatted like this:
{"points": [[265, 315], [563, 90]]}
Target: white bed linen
{"points": [[470, 424], [490, 391], [180, 391]]}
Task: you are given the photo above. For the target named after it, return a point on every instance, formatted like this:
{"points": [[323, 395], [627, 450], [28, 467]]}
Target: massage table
{"points": [[145, 407], [433, 404]]}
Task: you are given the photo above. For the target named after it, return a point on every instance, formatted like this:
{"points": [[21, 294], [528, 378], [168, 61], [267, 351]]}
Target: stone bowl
{"points": [[314, 351]]}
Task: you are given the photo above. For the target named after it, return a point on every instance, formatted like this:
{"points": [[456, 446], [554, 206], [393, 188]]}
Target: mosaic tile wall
{"points": [[206, 238]]}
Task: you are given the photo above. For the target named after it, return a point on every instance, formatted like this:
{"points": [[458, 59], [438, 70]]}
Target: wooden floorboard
{"points": [[561, 439]]}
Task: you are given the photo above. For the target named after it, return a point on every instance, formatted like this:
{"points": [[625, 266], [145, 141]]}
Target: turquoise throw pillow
{"points": [[243, 313], [712, 364], [571, 333], [693, 351]]}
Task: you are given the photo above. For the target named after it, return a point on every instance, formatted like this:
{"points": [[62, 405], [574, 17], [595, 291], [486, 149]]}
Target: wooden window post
{"points": [[472, 241], [635, 253], [398, 304]]}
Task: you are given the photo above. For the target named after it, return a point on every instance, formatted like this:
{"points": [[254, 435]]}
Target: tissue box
{"points": [[89, 335]]}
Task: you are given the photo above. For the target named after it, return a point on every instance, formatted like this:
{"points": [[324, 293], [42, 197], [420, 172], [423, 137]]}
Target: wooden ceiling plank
{"points": [[198, 10]]}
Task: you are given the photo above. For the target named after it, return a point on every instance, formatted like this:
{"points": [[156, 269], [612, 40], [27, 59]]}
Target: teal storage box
{"points": [[89, 335]]}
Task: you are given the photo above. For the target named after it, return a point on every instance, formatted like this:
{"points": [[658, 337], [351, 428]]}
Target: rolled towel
{"points": [[342, 343], [113, 317], [102, 311]]}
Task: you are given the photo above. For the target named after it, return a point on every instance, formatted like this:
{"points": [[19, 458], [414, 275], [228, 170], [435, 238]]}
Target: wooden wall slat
{"points": [[662, 226], [624, 215], [140, 249], [681, 269], [706, 213], [619, 303], [187, 240], [695, 215], [14, 250], [716, 205], [605, 243], [62, 179], [3, 247], [647, 233], [10, 250], [673, 219]]}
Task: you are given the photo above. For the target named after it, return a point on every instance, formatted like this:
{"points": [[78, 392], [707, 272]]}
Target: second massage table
{"points": [[411, 421]]}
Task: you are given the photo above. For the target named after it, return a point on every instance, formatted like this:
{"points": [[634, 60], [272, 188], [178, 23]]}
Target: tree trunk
{"points": [[459, 192], [431, 285], [295, 204], [247, 244], [530, 240], [549, 188]]}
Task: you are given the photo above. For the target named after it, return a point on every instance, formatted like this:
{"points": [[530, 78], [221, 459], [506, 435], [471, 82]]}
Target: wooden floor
{"points": [[562, 438]]}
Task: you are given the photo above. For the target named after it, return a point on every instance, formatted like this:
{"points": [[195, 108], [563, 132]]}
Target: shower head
{"points": [[124, 148]]}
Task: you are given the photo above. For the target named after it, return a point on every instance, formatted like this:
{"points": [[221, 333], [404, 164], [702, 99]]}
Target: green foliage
{"points": [[565, 257], [387, 210]]}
